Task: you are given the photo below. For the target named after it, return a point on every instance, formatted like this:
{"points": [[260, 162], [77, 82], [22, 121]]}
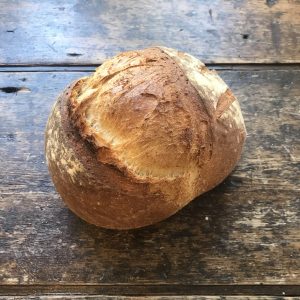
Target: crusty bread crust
{"points": [[141, 137]]}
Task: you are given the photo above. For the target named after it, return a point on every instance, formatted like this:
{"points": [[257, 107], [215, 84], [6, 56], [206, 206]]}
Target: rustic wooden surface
{"points": [[103, 297], [246, 231], [86, 32], [75, 297], [241, 239]]}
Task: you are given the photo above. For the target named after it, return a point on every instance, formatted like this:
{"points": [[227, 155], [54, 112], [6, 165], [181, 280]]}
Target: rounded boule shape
{"points": [[140, 138]]}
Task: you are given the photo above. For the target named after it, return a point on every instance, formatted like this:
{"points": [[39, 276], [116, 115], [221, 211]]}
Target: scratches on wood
{"points": [[288, 151]]}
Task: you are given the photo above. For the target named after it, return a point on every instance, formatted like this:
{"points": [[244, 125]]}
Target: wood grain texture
{"points": [[145, 290], [103, 297], [246, 231], [87, 32]]}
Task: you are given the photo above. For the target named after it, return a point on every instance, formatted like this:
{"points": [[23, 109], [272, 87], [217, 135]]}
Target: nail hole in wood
{"points": [[74, 54]]}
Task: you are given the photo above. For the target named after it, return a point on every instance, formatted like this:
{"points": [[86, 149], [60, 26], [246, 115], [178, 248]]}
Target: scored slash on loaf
{"points": [[140, 138]]}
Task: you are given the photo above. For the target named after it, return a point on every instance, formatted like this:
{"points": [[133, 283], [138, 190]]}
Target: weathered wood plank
{"points": [[155, 291], [85, 32], [246, 231], [103, 297]]}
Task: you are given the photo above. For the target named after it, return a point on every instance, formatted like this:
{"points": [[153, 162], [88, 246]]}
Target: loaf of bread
{"points": [[141, 137]]}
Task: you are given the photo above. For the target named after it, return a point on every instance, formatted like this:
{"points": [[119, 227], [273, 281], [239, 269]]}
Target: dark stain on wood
{"points": [[270, 3], [210, 15], [74, 54], [13, 89], [276, 35], [9, 137]]}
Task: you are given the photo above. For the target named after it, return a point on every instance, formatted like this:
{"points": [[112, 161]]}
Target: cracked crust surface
{"points": [[151, 129]]}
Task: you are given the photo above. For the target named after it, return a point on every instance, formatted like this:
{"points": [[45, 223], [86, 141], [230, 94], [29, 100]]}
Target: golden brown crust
{"points": [[226, 120], [99, 193], [147, 127], [139, 139]]}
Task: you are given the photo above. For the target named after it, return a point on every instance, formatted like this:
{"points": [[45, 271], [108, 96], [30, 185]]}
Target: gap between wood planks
{"points": [[91, 67], [152, 290]]}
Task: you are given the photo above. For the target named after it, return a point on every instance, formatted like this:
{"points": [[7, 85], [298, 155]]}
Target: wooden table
{"points": [[242, 238]]}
